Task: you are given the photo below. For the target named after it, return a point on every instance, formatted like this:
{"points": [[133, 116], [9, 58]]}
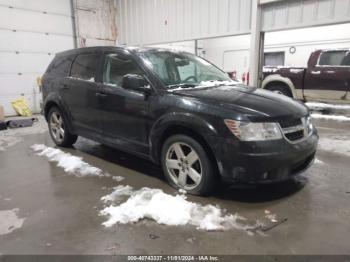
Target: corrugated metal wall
{"points": [[142, 22], [283, 15], [31, 32]]}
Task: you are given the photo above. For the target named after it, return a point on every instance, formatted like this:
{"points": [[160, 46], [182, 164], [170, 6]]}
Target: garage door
{"points": [[31, 32]]}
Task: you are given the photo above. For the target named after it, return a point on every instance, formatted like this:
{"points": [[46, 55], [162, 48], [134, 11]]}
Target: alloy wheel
{"points": [[57, 126], [184, 165]]}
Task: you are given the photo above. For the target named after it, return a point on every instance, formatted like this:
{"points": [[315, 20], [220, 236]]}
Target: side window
{"points": [[84, 67], [117, 66], [332, 58], [60, 66]]}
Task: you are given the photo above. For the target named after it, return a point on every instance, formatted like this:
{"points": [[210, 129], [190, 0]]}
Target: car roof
{"points": [[333, 49], [83, 50]]}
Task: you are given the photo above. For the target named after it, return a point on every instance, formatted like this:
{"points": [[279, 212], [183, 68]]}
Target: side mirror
{"points": [[136, 82]]}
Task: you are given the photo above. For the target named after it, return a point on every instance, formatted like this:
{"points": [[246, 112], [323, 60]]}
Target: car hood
{"points": [[254, 103]]}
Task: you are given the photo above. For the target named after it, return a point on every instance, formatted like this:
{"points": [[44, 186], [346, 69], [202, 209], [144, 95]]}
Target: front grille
{"points": [[289, 123], [295, 129], [295, 135]]}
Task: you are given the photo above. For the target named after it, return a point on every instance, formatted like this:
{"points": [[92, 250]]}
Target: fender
{"points": [[56, 99], [279, 78], [181, 119]]}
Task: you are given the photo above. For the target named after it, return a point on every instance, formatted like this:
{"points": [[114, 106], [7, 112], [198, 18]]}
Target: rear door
{"points": [[79, 93], [329, 79], [125, 112]]}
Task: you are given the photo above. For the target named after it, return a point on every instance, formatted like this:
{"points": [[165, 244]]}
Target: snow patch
{"points": [[71, 164], [9, 221], [318, 106], [219, 83], [205, 84], [296, 70], [182, 191], [118, 178], [272, 217], [270, 70], [330, 117], [117, 194], [166, 209], [318, 162], [274, 69], [340, 145]]}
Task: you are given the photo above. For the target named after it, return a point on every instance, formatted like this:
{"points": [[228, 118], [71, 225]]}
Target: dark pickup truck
{"points": [[326, 78]]}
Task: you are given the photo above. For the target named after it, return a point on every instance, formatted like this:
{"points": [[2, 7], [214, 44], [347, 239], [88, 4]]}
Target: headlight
{"points": [[248, 131], [308, 124]]}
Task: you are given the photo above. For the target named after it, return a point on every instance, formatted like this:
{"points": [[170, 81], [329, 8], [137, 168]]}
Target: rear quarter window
{"points": [[60, 66], [85, 67]]}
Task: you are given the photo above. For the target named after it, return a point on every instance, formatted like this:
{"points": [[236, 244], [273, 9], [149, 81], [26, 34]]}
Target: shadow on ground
{"points": [[240, 193], [262, 193]]}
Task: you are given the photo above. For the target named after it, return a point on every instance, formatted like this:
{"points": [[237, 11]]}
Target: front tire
{"points": [[187, 166], [58, 128]]}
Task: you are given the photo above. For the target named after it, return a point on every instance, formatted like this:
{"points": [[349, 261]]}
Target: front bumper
{"points": [[265, 161]]}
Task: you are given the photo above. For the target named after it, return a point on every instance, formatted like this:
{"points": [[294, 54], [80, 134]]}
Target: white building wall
{"points": [[31, 32], [232, 53]]}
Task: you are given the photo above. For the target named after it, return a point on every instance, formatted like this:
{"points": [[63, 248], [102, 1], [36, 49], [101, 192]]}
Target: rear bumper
{"points": [[264, 162]]}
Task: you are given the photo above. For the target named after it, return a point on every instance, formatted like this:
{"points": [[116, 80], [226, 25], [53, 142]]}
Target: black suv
{"points": [[179, 110]]}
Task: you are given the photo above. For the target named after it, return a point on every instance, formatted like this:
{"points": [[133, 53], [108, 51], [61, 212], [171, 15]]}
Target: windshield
{"points": [[182, 69]]}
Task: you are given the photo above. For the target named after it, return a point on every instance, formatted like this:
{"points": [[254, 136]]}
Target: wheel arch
{"points": [[179, 129], [272, 80], [181, 123], [53, 102], [48, 106]]}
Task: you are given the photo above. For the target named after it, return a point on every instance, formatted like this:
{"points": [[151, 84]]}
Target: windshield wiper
{"points": [[184, 85]]}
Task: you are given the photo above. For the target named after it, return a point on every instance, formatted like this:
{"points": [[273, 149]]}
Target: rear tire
{"points": [[58, 128], [280, 89], [186, 165]]}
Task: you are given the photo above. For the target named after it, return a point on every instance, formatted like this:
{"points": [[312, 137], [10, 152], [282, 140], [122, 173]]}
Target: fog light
{"points": [[265, 175]]}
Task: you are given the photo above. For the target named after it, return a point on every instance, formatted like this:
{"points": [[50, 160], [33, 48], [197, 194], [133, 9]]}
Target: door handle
{"points": [[100, 95], [315, 72], [65, 86]]}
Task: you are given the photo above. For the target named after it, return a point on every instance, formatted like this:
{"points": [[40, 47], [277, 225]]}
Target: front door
{"points": [[329, 80], [125, 112]]}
